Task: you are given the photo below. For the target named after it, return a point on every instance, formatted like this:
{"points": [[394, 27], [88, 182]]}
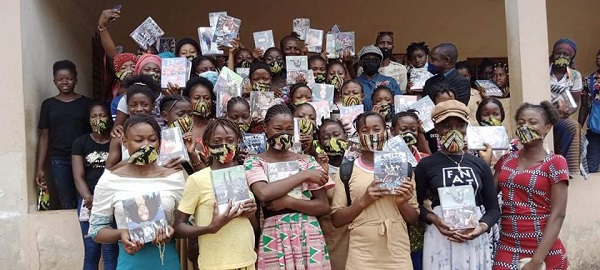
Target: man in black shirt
{"points": [[444, 57]]}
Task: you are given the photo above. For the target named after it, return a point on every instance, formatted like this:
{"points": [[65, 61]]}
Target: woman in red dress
{"points": [[534, 190]]}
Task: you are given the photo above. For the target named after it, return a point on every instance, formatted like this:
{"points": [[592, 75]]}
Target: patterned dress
{"points": [[526, 209], [290, 240]]}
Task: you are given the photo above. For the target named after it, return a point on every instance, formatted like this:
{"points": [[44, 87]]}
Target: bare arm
{"points": [[185, 230], [41, 156], [266, 192], [109, 235], [318, 206], [558, 196], [120, 119], [79, 177], [114, 153], [107, 43], [422, 143]]}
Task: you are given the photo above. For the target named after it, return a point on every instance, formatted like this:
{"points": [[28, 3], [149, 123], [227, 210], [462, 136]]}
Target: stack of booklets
{"points": [[301, 26], [264, 40], [230, 185], [458, 207], [144, 215], [176, 71], [402, 102], [213, 17], [489, 88], [392, 168], [348, 114], [172, 146], [281, 170], [254, 144], [397, 144], [228, 85], [260, 102], [562, 98], [208, 47], [147, 33], [166, 44], [418, 77], [321, 91], [336, 43], [314, 40], [424, 106], [495, 136], [323, 109], [227, 28]]}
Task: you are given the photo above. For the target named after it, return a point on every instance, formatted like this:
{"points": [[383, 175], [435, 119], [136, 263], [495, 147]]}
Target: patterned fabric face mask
{"points": [[526, 134], [99, 125], [275, 67], [409, 138], [223, 153], [562, 61], [186, 123], [351, 100], [280, 141], [372, 142], [385, 111], [261, 87], [155, 76], [453, 141], [123, 75], [335, 147], [202, 109], [299, 102], [244, 127], [245, 64], [320, 78], [337, 82], [492, 121], [143, 156], [306, 126]]}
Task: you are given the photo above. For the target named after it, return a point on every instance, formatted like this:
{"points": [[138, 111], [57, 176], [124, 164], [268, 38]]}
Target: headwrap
{"points": [[121, 58], [164, 55], [184, 41], [145, 59], [567, 44]]}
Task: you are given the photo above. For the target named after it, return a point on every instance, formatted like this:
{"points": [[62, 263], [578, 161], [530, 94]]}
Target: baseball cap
{"points": [[370, 49], [449, 108]]}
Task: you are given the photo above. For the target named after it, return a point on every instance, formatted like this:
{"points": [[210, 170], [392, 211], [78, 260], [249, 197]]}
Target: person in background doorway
{"points": [[590, 106]]}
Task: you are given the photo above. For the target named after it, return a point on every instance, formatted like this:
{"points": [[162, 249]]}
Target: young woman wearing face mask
{"points": [[141, 175], [275, 60], [534, 189], [444, 247], [290, 232], [200, 92], [389, 67], [376, 216], [88, 158]]}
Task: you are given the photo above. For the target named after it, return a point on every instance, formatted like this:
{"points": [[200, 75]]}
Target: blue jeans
{"points": [[63, 180], [593, 151], [417, 259], [92, 250]]}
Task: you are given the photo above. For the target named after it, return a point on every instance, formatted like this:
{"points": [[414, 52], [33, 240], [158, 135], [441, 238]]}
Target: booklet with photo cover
{"points": [[562, 98], [335, 29], [323, 109], [213, 17], [353, 151], [295, 63], [330, 45], [348, 114], [243, 72], [322, 91], [260, 102], [495, 136], [172, 146], [300, 26], [166, 44], [147, 33], [314, 40], [489, 88], [281, 170], [344, 41], [228, 85], [403, 102], [208, 47], [227, 28], [296, 76], [264, 40], [230, 184], [418, 77], [176, 71], [144, 215], [392, 168], [84, 213], [397, 144], [458, 207], [424, 106], [254, 144]]}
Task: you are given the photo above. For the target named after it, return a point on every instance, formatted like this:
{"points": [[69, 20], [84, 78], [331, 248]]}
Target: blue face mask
{"points": [[212, 76], [432, 69]]}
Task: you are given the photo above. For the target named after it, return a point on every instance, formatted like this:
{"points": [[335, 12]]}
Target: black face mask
{"points": [[387, 53], [371, 66]]}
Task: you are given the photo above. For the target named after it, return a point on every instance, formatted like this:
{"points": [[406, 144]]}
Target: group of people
{"points": [[343, 219]]}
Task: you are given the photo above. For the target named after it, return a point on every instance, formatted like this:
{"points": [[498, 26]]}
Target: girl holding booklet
{"points": [[291, 237], [200, 92], [226, 239], [140, 175], [445, 247], [376, 216], [534, 190]]}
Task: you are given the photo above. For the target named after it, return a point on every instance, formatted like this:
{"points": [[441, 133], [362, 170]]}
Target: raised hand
{"points": [[106, 16]]}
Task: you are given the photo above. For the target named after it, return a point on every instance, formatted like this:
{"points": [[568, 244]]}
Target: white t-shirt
{"points": [[572, 80]]}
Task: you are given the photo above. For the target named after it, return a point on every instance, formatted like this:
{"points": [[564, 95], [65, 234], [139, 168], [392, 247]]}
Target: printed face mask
{"points": [[299, 102], [223, 153], [191, 58], [99, 125], [123, 75], [202, 109], [245, 64], [185, 123], [372, 142], [306, 126], [562, 61], [371, 66], [337, 82], [280, 141], [320, 78], [145, 155], [275, 67], [244, 127], [386, 111], [335, 147], [492, 121], [409, 138], [351, 100], [261, 87], [155, 76], [453, 141], [526, 134]]}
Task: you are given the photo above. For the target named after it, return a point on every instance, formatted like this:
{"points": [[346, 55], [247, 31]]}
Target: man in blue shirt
{"points": [[370, 58]]}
